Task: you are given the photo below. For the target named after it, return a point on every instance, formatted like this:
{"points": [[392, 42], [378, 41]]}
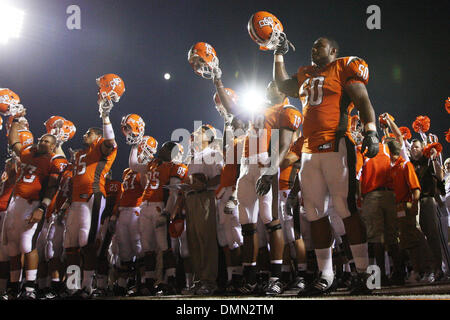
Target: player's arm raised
{"points": [[13, 137], [109, 143], [285, 83]]}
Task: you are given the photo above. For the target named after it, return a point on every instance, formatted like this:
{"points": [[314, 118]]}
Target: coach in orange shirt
{"points": [[407, 193], [378, 208]]}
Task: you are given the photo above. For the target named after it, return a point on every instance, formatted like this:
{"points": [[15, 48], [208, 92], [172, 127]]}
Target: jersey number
{"points": [[29, 177], [129, 185], [153, 179], [313, 90], [81, 166]]}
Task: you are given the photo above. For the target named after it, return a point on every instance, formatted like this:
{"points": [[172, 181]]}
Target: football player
{"points": [[156, 209], [33, 193], [127, 228], [91, 165], [6, 187], [258, 173], [326, 89]]}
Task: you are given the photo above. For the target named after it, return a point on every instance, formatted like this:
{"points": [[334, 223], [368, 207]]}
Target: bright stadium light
{"points": [[11, 21], [253, 100]]}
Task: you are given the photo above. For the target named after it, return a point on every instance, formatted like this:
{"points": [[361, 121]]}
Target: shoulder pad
{"points": [[290, 106]]}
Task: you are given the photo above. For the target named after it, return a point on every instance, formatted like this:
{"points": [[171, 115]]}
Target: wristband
{"points": [[43, 207], [108, 132]]}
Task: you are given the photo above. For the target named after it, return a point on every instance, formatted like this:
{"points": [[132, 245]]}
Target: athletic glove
{"points": [[283, 46], [216, 74], [263, 184], [370, 143], [104, 107], [112, 225], [291, 203], [230, 206]]}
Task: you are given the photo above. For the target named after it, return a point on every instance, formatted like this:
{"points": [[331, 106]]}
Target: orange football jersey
{"points": [[325, 103], [278, 116], [132, 190], [91, 166], [158, 176], [6, 188], [35, 169], [113, 190]]}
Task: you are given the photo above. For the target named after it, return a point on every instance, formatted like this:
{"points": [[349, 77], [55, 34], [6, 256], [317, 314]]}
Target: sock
{"points": [[42, 283], [189, 279], [249, 272], [102, 281], [122, 282], [30, 275], [229, 273], [170, 272], [88, 276], [150, 275], [325, 263], [237, 270], [275, 268], [360, 256]]}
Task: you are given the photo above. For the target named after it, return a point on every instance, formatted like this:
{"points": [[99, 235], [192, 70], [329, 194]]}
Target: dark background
{"points": [[53, 69]]}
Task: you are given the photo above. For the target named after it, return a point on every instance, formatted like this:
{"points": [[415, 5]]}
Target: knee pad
{"points": [[273, 228]]}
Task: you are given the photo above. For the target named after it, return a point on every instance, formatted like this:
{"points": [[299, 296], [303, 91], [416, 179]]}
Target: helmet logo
{"points": [[5, 99], [267, 21], [209, 50], [115, 82]]}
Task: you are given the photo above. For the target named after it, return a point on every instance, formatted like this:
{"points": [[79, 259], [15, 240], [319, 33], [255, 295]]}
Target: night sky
{"points": [[53, 69]]}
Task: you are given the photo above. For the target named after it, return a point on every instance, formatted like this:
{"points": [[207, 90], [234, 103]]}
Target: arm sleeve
{"points": [[133, 162]]}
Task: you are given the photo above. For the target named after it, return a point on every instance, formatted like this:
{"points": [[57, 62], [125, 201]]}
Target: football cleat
{"points": [[274, 287], [319, 287]]}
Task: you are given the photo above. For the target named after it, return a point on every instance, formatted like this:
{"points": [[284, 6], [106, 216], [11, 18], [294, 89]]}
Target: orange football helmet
{"points": [[176, 227], [26, 138], [10, 103], [133, 127], [111, 87], [1, 123], [54, 124], [265, 29], [68, 130], [382, 120], [203, 59], [147, 148]]}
